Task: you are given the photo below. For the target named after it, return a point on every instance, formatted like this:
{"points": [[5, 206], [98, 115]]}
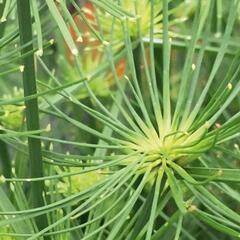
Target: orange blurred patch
{"points": [[87, 40]]}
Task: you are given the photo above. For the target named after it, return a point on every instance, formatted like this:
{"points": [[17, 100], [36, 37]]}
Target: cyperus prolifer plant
{"points": [[153, 158]]}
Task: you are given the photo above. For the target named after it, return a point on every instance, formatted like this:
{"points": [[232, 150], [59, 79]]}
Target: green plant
{"points": [[156, 156]]}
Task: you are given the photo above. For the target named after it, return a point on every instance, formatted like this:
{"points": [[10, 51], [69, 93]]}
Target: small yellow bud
{"points": [[236, 146], [21, 68], [3, 19], [39, 52], [48, 128], [183, 19], [51, 41], [74, 51], [51, 147], [105, 43], [229, 86], [192, 208], [220, 173], [79, 39], [86, 10], [2, 179], [218, 34]]}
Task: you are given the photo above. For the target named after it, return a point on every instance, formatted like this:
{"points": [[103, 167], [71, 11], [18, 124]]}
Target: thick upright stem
{"points": [[5, 160], [32, 113], [2, 24]]}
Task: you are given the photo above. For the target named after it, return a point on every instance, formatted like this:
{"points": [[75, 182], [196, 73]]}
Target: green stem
{"points": [[5, 159], [5, 162], [137, 55], [2, 24], [32, 112], [137, 62]]}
